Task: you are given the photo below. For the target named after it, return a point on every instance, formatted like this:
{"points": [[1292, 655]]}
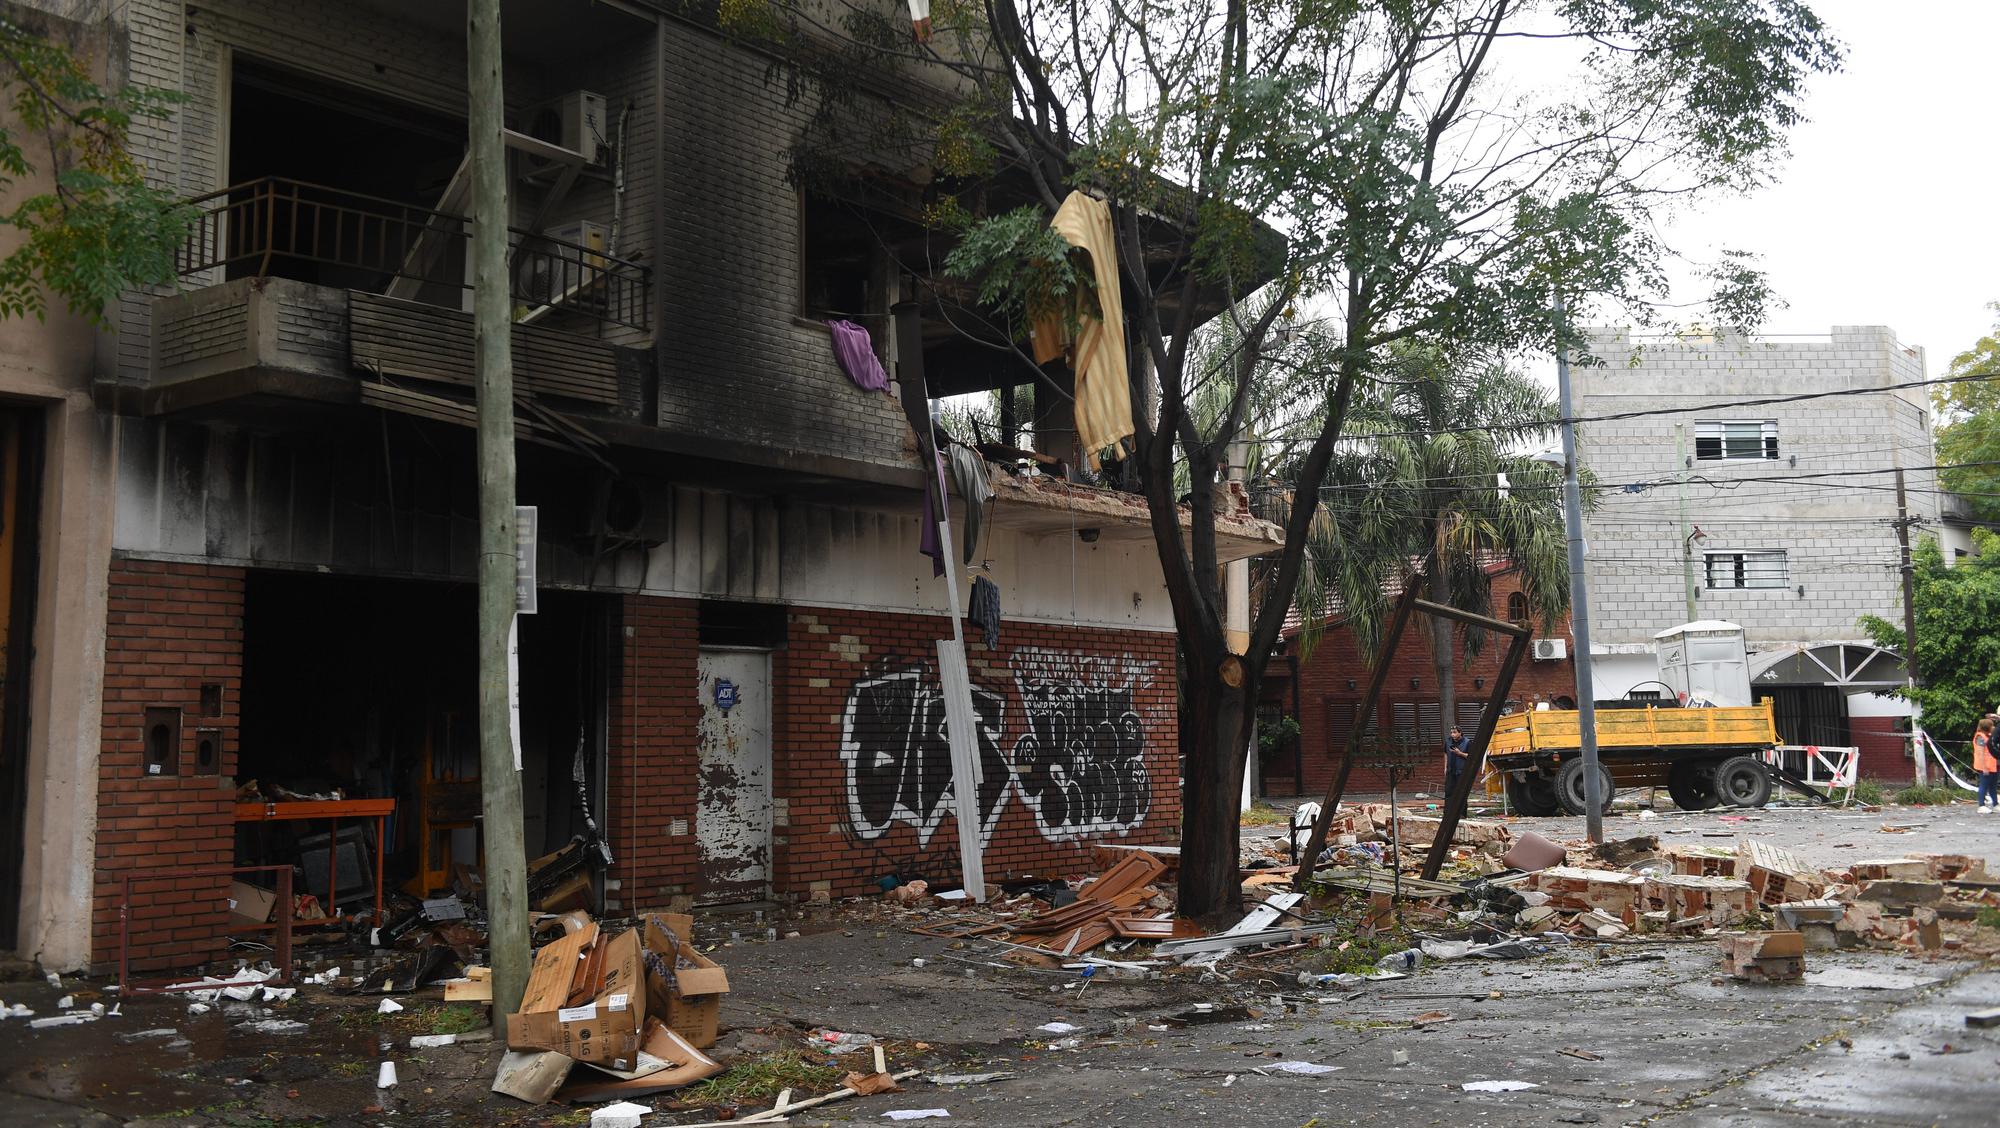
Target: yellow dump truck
{"points": [[1703, 756]]}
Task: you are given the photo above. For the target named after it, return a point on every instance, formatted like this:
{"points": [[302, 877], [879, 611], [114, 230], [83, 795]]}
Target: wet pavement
{"points": [[1657, 1036]]}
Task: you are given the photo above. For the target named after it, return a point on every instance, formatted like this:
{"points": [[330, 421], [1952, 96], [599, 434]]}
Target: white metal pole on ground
{"points": [[1579, 595]]}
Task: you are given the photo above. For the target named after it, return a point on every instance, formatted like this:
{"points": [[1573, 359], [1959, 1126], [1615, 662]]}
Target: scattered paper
{"points": [[431, 1041], [1310, 1068], [275, 1026], [389, 1006], [918, 1114], [968, 1078], [1498, 1086], [1058, 1028]]}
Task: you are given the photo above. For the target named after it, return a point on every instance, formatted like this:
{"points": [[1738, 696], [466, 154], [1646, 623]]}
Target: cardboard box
{"points": [[603, 1031], [250, 904], [691, 1003]]}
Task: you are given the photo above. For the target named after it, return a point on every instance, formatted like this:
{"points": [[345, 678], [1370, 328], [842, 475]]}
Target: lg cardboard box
{"points": [[692, 1002], [603, 1031]]}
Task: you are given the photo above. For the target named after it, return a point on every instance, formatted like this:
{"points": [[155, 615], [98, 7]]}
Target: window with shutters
{"points": [[1764, 568], [1736, 440], [1517, 607]]}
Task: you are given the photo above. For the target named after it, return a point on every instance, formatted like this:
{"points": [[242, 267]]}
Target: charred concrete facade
{"points": [[736, 646]]}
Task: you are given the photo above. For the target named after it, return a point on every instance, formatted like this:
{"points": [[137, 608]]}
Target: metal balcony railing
{"points": [[289, 228]]}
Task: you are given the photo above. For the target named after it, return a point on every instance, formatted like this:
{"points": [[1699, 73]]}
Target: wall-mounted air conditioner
{"points": [[1550, 649], [577, 122]]}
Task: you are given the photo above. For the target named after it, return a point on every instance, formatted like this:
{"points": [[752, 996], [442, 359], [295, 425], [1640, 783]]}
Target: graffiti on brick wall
{"points": [[898, 758], [1081, 765]]}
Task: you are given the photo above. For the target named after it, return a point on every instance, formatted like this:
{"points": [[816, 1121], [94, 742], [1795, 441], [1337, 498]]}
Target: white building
{"points": [[1780, 517]]}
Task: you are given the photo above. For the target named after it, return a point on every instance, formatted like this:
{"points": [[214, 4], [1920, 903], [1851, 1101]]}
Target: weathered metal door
{"points": [[733, 810]]}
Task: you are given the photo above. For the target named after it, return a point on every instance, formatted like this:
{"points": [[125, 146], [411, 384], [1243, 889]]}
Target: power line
{"points": [[1645, 413]]}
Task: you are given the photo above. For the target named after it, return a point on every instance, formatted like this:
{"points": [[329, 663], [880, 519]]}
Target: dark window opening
{"points": [[840, 265], [1517, 607]]}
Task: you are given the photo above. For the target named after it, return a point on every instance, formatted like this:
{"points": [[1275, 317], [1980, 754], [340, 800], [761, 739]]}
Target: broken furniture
{"points": [[332, 810], [448, 799]]}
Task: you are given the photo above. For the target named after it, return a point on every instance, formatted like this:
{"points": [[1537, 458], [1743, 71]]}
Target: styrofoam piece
{"points": [[385, 1077], [389, 1006], [624, 1114]]}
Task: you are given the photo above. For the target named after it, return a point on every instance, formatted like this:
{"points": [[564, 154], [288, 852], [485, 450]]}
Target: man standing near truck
{"points": [[1456, 747]]}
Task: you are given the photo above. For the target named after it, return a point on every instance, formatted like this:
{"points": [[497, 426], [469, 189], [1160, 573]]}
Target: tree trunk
{"points": [[1215, 735], [1443, 652]]}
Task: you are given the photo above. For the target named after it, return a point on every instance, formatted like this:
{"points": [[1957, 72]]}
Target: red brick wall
{"points": [[652, 762], [1885, 752], [1096, 759], [1108, 693], [169, 629], [1323, 679]]}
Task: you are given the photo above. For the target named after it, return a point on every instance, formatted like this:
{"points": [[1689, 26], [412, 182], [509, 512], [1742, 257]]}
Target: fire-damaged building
{"points": [[729, 685]]}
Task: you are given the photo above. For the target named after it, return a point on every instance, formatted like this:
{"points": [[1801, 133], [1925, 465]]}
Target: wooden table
{"points": [[333, 810]]}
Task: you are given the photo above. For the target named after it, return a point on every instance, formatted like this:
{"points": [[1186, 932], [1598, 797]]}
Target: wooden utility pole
{"points": [[1919, 769], [506, 869]]}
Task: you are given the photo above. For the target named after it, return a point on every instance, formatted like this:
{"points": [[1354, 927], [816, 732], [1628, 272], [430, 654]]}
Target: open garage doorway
{"points": [[367, 688]]}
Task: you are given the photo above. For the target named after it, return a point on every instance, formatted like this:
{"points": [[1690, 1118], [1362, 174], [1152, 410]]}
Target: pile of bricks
{"points": [[1770, 957], [1776, 874], [1712, 901]]}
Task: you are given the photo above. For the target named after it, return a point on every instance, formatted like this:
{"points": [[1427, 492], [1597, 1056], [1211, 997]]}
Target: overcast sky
{"points": [[1888, 212]]}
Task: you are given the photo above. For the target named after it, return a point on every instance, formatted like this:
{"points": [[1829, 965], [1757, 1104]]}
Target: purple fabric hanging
{"points": [[928, 541], [855, 350]]}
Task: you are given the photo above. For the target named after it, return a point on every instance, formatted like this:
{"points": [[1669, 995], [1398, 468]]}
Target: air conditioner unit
{"points": [[1551, 649], [549, 273], [577, 122]]}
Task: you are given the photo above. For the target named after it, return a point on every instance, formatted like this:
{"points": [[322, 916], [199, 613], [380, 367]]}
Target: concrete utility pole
{"points": [[1579, 597], [1687, 538], [492, 323], [1919, 769]]}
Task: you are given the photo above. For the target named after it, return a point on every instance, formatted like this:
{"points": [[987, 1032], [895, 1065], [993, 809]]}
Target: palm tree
{"points": [[1411, 487]]}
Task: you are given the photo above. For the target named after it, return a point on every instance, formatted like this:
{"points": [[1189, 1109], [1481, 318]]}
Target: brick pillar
{"points": [[170, 629], [650, 811]]}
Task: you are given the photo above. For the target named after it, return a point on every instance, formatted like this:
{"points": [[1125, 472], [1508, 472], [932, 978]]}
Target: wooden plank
{"points": [[1134, 871], [468, 990]]}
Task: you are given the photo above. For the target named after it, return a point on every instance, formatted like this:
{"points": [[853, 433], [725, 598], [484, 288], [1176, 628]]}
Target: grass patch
{"points": [[1926, 796], [1870, 792], [456, 1019], [359, 1019], [762, 1080], [349, 1067], [1264, 814], [1989, 917]]}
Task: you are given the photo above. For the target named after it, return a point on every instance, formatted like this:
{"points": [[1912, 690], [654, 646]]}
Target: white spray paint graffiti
{"points": [[1081, 766]]}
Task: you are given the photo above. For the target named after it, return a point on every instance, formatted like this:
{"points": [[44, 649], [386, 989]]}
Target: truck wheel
{"points": [[1692, 788], [1743, 781], [1570, 790], [1533, 795]]}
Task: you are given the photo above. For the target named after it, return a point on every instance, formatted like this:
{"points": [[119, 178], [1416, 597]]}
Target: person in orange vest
{"points": [[1984, 763]]}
